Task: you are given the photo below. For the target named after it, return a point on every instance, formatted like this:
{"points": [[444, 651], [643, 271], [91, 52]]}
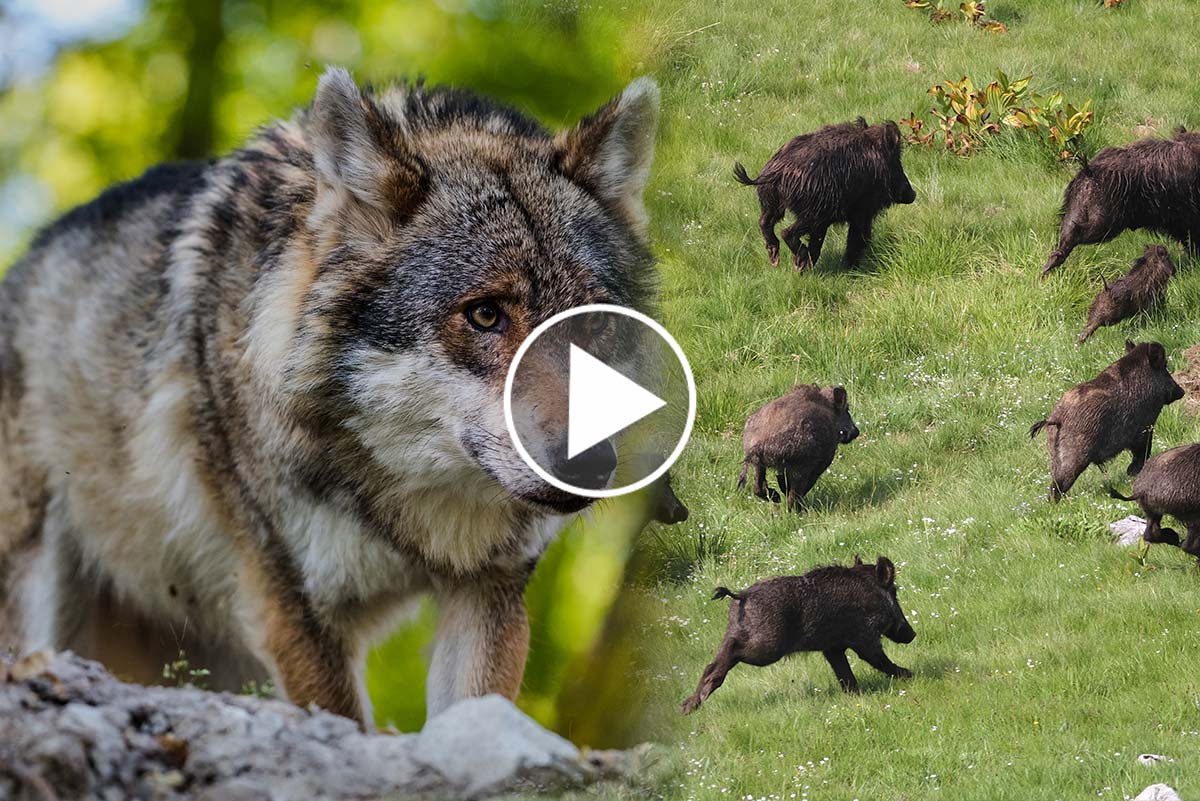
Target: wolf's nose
{"points": [[591, 469]]}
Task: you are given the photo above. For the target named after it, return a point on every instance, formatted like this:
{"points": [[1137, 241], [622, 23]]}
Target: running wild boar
{"points": [[1170, 485], [1113, 412], [1152, 184], [666, 507], [797, 436], [1141, 289], [828, 609], [841, 173]]}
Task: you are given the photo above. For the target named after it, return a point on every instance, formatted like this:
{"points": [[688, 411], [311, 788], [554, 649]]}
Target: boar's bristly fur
{"points": [[828, 609], [1141, 289], [841, 173], [1170, 485], [1114, 412], [1153, 184], [797, 436]]}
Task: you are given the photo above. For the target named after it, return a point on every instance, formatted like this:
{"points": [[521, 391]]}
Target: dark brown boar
{"points": [[667, 508], [828, 609], [1113, 412], [1152, 184], [797, 436], [1170, 485], [1139, 290], [841, 173]]}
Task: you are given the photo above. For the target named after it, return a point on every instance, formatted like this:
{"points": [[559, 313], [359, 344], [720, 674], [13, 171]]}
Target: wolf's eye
{"points": [[485, 316]]}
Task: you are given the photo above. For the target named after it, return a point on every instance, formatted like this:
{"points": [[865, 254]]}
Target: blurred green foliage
{"points": [[192, 79]]}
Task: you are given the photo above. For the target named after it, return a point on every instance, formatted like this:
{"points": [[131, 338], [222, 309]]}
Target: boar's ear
{"points": [[885, 571], [891, 134], [610, 152], [858, 562], [359, 150], [1129, 345], [1158, 356], [840, 402]]}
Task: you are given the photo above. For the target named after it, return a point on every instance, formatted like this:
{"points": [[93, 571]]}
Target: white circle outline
{"points": [[657, 328]]}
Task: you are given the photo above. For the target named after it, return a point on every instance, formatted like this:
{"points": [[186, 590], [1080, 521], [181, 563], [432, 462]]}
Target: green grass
{"points": [[1046, 657]]}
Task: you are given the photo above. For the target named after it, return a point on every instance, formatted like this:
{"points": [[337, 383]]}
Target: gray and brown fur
{"points": [[1170, 485], [828, 609], [841, 173], [1114, 412], [1151, 184], [1142, 289], [797, 436], [244, 407]]}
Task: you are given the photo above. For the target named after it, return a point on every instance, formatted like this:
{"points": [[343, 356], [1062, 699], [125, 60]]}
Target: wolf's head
{"points": [[444, 229]]}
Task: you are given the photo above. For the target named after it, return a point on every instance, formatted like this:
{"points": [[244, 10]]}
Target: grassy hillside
{"points": [[1046, 657]]}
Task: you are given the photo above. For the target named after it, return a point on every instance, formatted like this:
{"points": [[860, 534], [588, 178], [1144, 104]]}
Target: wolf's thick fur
{"points": [[244, 410]]}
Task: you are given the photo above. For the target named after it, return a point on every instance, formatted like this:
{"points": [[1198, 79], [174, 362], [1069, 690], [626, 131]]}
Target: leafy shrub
{"points": [[973, 12], [966, 116]]}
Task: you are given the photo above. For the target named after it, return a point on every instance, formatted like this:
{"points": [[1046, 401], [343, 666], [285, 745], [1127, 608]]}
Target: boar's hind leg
{"points": [[1063, 472], [841, 668], [713, 676], [1155, 533], [873, 655], [799, 482], [761, 490], [766, 223], [801, 259]]}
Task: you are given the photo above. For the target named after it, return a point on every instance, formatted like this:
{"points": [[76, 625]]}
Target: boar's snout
{"points": [[1177, 392], [848, 434], [903, 633], [904, 193]]}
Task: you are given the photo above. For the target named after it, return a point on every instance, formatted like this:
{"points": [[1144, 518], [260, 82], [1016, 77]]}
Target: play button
{"points": [[599, 400]]}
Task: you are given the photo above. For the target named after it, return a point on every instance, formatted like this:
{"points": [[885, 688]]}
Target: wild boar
{"points": [[666, 507], [1141, 289], [796, 436], [841, 173], [1113, 412], [828, 609], [1152, 184], [1170, 485]]}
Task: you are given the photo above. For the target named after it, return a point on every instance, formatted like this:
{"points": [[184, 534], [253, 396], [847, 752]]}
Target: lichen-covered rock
{"points": [[72, 731], [1158, 792]]}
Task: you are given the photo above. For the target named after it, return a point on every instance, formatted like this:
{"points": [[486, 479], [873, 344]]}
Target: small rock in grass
{"points": [[1152, 759], [1128, 530], [1158, 792]]}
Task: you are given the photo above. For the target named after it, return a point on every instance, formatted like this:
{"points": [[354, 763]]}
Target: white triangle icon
{"points": [[601, 402]]}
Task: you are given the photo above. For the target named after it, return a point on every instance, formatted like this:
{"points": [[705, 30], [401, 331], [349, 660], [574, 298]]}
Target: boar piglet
{"points": [[828, 609], [1152, 184], [1141, 289], [1115, 411], [797, 436], [841, 173], [1170, 485]]}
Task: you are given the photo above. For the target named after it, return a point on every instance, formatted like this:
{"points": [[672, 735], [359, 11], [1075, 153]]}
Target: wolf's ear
{"points": [[610, 152], [358, 149]]}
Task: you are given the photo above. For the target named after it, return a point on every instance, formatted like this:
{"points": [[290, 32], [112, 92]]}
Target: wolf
{"points": [[251, 408]]}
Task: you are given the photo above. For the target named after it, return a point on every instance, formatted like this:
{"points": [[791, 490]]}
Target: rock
{"points": [[1128, 531], [72, 731], [1158, 792], [1152, 759]]}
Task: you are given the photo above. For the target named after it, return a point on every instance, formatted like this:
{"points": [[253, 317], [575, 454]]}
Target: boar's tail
{"points": [[725, 592], [1112, 493], [1039, 425], [739, 172]]}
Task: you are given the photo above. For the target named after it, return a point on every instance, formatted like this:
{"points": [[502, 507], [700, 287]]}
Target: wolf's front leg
{"points": [[482, 642]]}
